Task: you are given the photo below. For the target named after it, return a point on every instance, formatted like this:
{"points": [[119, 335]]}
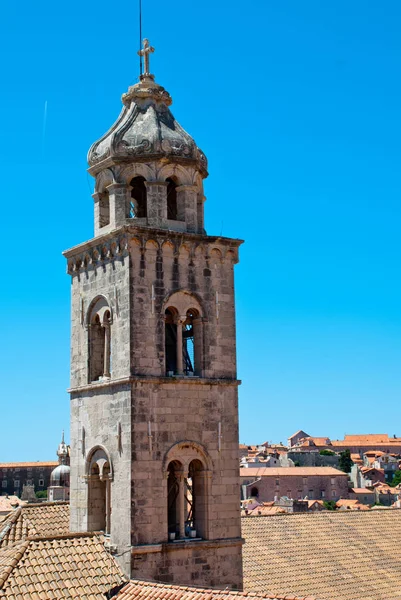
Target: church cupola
{"points": [[147, 167]]}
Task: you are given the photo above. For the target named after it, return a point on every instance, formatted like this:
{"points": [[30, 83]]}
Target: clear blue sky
{"points": [[297, 106]]}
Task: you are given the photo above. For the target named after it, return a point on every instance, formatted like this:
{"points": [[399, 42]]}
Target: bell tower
{"points": [[154, 401]]}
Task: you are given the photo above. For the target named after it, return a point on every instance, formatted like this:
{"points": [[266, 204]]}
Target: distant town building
{"points": [[363, 495], [312, 483], [297, 437], [14, 476], [357, 444]]}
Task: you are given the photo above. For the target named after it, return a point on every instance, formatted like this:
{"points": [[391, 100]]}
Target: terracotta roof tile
{"points": [[72, 566], [345, 555], [141, 590], [286, 471], [35, 520]]}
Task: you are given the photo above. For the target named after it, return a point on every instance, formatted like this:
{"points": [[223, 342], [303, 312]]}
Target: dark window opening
{"points": [[254, 492], [138, 204], [171, 200], [188, 342], [195, 496], [97, 342], [170, 343], [173, 498]]}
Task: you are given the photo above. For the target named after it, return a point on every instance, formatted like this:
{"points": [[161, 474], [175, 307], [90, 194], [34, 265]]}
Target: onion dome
{"points": [[146, 129], [60, 476]]}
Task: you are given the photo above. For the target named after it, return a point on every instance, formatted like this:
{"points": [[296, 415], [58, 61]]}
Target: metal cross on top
{"points": [[146, 50]]}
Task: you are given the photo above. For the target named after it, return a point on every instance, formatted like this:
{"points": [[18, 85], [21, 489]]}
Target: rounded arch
{"points": [[99, 305], [105, 178], [186, 451], [99, 458], [182, 301], [181, 175], [137, 170]]}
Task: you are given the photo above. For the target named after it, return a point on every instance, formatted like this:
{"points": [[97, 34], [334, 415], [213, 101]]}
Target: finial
{"points": [[144, 52], [62, 437]]}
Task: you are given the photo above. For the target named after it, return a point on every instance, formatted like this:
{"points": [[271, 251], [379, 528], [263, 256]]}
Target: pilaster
{"points": [[118, 197], [156, 202], [187, 206]]}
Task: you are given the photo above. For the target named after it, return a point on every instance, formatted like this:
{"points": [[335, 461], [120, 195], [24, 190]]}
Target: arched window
{"points": [[104, 209], [99, 491], [138, 205], [254, 492], [99, 327], [186, 500], [183, 336], [188, 468], [175, 471], [171, 199]]}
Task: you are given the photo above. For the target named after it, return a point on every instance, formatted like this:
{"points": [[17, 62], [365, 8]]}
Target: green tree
{"points": [[41, 494], [396, 479], [345, 463], [326, 453], [329, 505]]}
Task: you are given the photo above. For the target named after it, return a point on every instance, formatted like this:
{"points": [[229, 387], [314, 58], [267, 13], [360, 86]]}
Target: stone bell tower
{"points": [[154, 403]]}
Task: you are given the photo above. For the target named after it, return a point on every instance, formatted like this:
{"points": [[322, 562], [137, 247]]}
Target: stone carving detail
{"points": [[119, 248], [98, 254], [146, 128]]}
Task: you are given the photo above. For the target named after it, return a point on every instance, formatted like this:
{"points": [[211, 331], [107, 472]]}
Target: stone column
{"points": [[181, 503], [200, 211], [118, 194], [187, 196], [96, 198], [180, 368], [156, 194]]}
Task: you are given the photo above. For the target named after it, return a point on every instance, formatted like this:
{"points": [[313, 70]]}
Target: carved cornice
{"points": [[115, 244]]}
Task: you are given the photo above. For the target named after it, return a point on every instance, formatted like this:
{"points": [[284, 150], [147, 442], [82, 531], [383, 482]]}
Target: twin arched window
{"points": [[187, 492], [99, 475], [183, 343]]}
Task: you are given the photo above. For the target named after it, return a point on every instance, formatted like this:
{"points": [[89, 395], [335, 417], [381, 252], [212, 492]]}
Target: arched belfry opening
{"points": [[99, 343], [183, 336], [187, 493], [99, 490], [172, 210], [138, 204]]}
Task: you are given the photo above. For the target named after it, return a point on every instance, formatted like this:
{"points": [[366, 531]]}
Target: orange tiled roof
{"points": [[22, 465], [332, 555], [35, 520], [286, 471], [9, 503], [146, 590], [65, 567]]}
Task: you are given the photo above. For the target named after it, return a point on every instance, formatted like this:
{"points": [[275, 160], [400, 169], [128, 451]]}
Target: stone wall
{"points": [[139, 415], [313, 459]]}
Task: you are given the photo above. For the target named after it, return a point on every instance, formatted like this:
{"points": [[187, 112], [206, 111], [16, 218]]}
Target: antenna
{"points": [[140, 36]]}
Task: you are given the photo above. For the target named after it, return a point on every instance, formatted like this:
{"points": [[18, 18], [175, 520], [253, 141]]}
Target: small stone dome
{"points": [[60, 476], [145, 130]]}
